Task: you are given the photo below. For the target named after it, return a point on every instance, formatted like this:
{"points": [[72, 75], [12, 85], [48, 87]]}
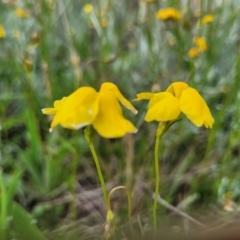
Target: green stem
{"points": [[157, 173], [99, 171], [129, 202], [89, 136], [162, 128], [128, 197]]}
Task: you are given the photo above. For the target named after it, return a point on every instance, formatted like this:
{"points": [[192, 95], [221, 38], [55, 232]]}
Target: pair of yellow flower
{"points": [[200, 47], [200, 43], [173, 14], [102, 110]]}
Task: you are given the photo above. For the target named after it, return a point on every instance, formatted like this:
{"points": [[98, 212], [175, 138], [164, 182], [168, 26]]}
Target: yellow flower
{"points": [[201, 43], [179, 97], [207, 19], [88, 8], [2, 32], [100, 109], [172, 41], [193, 52], [20, 12], [168, 14], [200, 46], [103, 22]]}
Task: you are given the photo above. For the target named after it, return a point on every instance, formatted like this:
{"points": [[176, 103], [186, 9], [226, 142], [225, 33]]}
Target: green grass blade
{"points": [[3, 213], [13, 185]]}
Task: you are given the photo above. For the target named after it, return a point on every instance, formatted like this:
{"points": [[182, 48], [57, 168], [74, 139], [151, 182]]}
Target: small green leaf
{"points": [[23, 225]]}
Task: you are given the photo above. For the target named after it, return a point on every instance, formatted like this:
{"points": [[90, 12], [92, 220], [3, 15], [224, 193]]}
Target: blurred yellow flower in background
{"points": [[100, 109], [150, 1], [88, 8], [193, 52], [103, 22], [200, 46], [172, 41], [2, 32], [179, 97], [207, 19], [101, 17], [201, 43], [168, 14], [20, 12]]}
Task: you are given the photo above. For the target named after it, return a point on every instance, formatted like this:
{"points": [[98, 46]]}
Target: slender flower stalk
{"points": [[89, 137], [109, 226], [128, 197], [100, 175], [162, 128]]}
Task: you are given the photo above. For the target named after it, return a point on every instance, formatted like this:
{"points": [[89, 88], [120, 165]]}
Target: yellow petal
{"points": [[57, 105], [177, 88], [168, 14], [143, 96], [163, 107], [207, 19], [88, 8], [49, 111], [108, 86], [78, 110], [201, 43], [110, 123], [193, 52], [22, 13], [195, 108], [2, 32]]}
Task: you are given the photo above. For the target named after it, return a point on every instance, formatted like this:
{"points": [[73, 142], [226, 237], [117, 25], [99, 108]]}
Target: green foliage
{"points": [[58, 48]]}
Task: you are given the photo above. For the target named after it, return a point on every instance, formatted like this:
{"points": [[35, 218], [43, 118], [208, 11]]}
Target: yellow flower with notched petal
{"points": [[209, 18], [100, 109], [179, 97], [168, 14], [22, 13], [2, 32]]}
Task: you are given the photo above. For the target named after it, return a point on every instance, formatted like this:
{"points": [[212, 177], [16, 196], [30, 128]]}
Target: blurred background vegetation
{"points": [[48, 49]]}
